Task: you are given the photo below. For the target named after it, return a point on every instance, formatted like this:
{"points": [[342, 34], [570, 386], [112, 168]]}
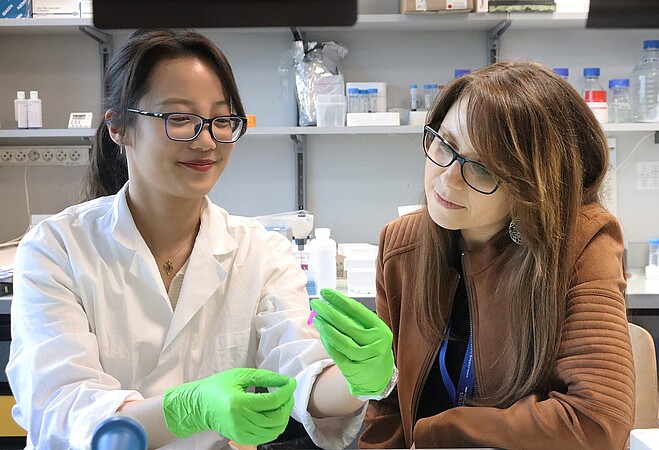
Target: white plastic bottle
{"points": [[645, 84], [34, 110], [594, 94], [323, 259], [20, 110]]}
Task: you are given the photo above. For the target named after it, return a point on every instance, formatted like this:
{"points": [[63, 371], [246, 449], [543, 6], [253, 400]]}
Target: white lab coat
{"points": [[92, 324]]}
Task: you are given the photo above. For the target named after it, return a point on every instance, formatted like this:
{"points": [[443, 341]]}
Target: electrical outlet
{"points": [[71, 155]]}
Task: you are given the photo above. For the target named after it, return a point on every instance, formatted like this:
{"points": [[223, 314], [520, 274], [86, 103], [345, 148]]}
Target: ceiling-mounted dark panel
{"points": [[623, 14], [110, 14]]}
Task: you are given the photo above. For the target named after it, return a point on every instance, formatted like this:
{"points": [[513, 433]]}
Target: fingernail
{"points": [[311, 316]]}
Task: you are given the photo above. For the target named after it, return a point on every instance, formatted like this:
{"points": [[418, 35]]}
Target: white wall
{"points": [[354, 182]]}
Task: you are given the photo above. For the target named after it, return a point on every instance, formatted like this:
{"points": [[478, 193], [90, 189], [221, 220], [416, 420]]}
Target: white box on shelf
{"points": [[480, 6], [572, 6], [361, 282], [55, 8], [372, 119], [418, 117], [380, 86]]}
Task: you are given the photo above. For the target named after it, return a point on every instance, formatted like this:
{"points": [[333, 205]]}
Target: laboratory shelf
{"points": [[652, 126], [59, 136], [48, 133], [54, 25], [641, 292], [365, 22]]}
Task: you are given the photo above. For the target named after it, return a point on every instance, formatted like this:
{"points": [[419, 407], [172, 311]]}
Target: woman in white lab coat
{"points": [[145, 300]]}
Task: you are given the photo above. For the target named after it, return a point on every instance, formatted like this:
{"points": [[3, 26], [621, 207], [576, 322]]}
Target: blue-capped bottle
{"points": [[562, 72], [594, 94], [620, 108]]}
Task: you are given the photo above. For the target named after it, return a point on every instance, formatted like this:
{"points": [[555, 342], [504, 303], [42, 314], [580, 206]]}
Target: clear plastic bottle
{"points": [[413, 97], [562, 72], [34, 110], [645, 84], [594, 94], [620, 108], [323, 259], [20, 110]]}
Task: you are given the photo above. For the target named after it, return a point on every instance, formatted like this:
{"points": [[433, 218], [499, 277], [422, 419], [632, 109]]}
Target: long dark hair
{"points": [[127, 81], [535, 132]]}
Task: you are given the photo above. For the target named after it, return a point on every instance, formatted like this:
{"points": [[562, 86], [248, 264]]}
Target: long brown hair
{"points": [[534, 131], [127, 80]]}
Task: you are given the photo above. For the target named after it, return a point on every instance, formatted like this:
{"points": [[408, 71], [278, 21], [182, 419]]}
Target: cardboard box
{"points": [[55, 8], [481, 6], [435, 6], [15, 9]]}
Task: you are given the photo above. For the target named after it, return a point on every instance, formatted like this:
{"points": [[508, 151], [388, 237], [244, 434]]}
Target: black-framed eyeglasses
{"points": [[439, 151], [181, 126]]}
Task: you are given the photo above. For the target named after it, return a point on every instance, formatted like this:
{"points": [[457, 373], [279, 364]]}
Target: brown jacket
{"points": [[590, 400]]}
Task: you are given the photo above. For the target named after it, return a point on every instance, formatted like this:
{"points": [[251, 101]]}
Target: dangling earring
{"points": [[121, 148], [514, 233]]}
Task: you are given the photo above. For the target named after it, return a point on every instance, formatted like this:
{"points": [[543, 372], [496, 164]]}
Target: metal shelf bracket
{"points": [[300, 152], [493, 36]]}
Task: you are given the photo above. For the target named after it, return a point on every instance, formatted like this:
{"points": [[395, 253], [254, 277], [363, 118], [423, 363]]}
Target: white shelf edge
{"points": [[610, 127], [289, 131], [48, 133], [275, 131]]}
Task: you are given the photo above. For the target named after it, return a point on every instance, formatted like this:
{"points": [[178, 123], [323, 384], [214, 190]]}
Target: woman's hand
{"points": [[221, 403], [358, 341]]}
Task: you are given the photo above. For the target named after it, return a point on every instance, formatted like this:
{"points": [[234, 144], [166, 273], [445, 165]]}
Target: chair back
{"points": [[647, 393]]}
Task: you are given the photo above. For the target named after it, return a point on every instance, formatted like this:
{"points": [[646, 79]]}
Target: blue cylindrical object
{"points": [[119, 433]]}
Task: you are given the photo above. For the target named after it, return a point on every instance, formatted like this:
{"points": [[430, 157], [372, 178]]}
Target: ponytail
{"points": [[107, 172]]}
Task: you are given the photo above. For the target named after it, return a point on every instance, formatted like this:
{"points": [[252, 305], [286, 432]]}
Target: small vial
{"points": [[413, 97], [562, 72], [363, 100], [427, 96], [353, 100], [372, 100], [654, 252]]}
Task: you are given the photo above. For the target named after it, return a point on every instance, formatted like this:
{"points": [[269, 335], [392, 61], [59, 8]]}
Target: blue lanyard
{"points": [[466, 382]]}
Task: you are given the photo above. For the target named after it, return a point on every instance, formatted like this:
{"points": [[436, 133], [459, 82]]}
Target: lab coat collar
{"points": [[207, 268]]}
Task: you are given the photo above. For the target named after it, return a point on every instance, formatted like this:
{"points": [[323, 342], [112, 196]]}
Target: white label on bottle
{"points": [[456, 4], [600, 110], [421, 5]]}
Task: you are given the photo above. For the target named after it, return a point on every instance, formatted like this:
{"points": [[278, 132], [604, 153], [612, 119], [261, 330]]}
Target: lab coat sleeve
{"points": [[288, 345], [54, 369]]}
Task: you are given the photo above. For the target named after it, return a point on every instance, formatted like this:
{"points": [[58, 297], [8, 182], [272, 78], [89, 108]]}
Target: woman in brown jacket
{"points": [[505, 292]]}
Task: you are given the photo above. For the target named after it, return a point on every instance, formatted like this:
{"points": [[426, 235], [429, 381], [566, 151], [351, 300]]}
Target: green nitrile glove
{"points": [[358, 341], [220, 403]]}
